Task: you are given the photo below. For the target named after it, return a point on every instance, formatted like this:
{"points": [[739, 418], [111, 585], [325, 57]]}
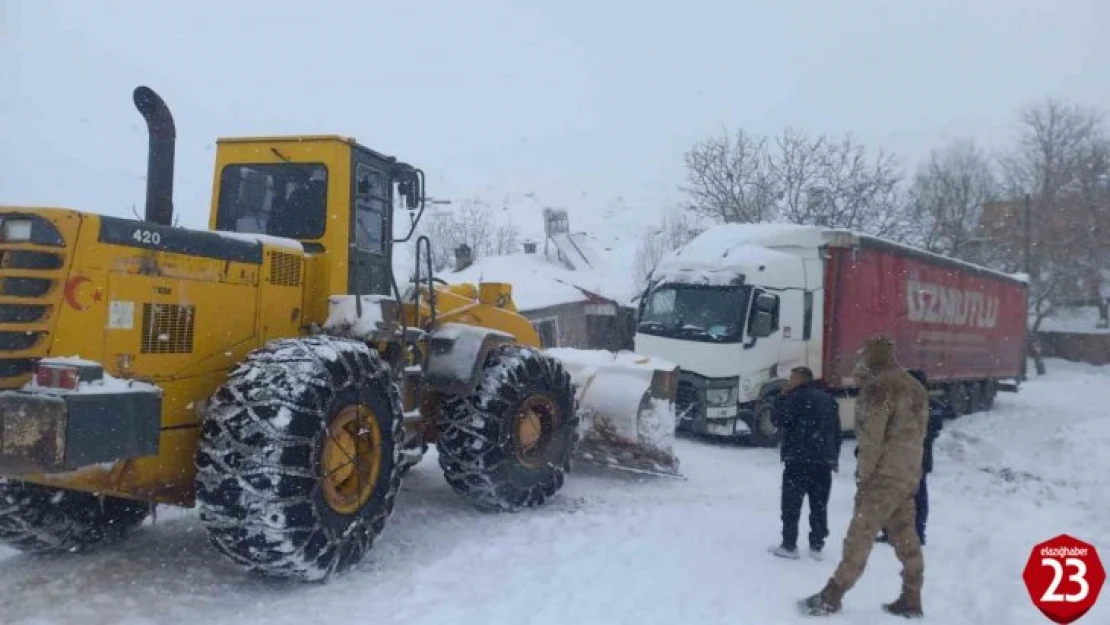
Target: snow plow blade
{"points": [[626, 405]]}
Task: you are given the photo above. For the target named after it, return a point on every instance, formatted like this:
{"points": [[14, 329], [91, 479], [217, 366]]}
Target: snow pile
{"points": [[724, 267], [725, 252], [466, 345], [621, 423], [600, 358], [343, 314], [537, 283], [1074, 320], [291, 245]]}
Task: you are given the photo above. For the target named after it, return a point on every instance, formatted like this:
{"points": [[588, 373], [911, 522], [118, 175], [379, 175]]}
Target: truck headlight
{"points": [[17, 230], [720, 396]]}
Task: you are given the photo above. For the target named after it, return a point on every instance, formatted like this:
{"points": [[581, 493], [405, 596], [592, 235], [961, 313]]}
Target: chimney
{"points": [[463, 257], [529, 247]]}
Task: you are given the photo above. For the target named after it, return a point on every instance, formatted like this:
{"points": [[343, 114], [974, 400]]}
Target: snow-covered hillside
{"points": [[614, 548]]}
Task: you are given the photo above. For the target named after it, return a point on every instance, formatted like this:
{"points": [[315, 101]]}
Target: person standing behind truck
{"points": [[810, 422]]}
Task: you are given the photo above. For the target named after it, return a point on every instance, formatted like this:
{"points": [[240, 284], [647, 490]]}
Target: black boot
{"points": [[908, 604], [823, 603]]}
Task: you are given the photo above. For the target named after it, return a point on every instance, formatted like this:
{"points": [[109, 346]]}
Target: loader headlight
{"points": [[720, 396], [17, 230]]}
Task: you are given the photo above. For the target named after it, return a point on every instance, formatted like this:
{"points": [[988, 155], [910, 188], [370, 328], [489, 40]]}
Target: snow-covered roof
{"points": [[1073, 320], [537, 283], [724, 252], [775, 269], [716, 250]]}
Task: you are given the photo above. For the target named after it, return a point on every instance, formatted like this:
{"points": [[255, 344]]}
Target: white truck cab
{"points": [[735, 309]]}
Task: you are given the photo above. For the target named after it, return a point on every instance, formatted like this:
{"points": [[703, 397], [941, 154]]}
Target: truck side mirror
{"points": [[765, 315], [762, 324]]}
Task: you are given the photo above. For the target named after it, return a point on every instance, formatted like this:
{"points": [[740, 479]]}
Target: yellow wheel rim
{"points": [[533, 429], [352, 459]]}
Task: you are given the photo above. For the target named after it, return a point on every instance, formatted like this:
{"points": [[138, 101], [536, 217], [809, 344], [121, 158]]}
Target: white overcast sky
{"points": [[579, 103]]}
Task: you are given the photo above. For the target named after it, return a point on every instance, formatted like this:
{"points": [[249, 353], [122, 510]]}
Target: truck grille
{"points": [[686, 400], [30, 287]]}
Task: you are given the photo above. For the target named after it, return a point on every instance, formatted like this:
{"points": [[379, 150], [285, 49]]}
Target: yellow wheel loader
{"points": [[270, 370]]}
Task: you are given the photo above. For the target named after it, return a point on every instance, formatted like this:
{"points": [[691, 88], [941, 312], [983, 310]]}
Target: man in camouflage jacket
{"points": [[890, 429]]}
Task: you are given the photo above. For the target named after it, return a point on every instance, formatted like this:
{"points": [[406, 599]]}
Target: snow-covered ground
{"points": [[615, 548]]}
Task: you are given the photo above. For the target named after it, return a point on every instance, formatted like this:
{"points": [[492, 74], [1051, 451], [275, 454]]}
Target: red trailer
{"points": [[962, 324]]}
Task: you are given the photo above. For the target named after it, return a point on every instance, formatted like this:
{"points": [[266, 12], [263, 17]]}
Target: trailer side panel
{"points": [[954, 324]]}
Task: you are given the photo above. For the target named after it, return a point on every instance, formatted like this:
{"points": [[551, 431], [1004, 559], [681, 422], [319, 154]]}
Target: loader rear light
{"points": [[66, 374], [61, 377]]}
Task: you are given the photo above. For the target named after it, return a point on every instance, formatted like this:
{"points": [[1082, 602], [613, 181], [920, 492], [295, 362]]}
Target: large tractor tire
{"points": [[37, 519], [299, 458], [509, 445]]}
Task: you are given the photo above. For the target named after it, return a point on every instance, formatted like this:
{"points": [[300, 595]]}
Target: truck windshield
{"points": [[696, 313], [282, 200]]}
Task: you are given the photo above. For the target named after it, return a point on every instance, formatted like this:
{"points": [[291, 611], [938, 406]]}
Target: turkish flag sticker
{"points": [[1064, 576]]}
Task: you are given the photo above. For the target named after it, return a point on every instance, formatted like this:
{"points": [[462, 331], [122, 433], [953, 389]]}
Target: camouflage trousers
{"points": [[882, 505]]}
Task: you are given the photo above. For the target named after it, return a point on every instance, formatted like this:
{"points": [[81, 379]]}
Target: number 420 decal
{"points": [[149, 237]]}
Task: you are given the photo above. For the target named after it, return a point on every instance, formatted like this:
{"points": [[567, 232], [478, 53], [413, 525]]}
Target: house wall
{"points": [[1089, 348], [576, 327], [569, 320]]}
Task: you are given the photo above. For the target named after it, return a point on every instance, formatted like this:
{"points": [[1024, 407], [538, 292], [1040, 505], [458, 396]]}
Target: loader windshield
{"points": [[283, 200], [696, 313]]}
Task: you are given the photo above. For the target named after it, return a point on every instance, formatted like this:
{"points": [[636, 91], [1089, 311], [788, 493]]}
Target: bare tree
{"points": [[676, 229], [946, 198], [797, 169], [728, 178], [798, 179], [1059, 161], [472, 224], [854, 192]]}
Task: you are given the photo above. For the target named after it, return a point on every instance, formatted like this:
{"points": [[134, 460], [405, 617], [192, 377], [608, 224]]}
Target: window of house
{"points": [[548, 331]]}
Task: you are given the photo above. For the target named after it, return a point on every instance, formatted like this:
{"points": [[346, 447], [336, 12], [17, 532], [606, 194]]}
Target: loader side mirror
{"points": [[412, 188]]}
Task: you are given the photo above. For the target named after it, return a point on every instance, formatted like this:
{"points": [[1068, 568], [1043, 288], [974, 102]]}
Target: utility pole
{"points": [[1033, 349], [1026, 222]]}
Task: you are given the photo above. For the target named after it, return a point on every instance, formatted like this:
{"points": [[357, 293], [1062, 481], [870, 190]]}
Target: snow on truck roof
{"points": [[725, 249]]}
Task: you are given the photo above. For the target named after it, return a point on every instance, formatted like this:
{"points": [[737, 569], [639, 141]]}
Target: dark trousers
{"points": [[801, 480], [921, 502], [921, 508]]}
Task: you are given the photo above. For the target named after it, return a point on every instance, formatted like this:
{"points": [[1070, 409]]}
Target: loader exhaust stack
{"points": [[160, 154]]}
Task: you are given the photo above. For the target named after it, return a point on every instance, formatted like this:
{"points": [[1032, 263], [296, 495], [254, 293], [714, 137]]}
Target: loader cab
{"points": [[333, 195]]}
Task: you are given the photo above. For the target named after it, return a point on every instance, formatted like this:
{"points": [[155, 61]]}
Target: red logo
{"points": [[1064, 576], [80, 293]]}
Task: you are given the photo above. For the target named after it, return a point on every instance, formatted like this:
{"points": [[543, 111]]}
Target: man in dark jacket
{"points": [[809, 419], [938, 412]]}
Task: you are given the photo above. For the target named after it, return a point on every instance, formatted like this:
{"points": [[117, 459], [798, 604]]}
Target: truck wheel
{"points": [[975, 394], [958, 399], [38, 519], [764, 432], [990, 391], [509, 445], [297, 467]]}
